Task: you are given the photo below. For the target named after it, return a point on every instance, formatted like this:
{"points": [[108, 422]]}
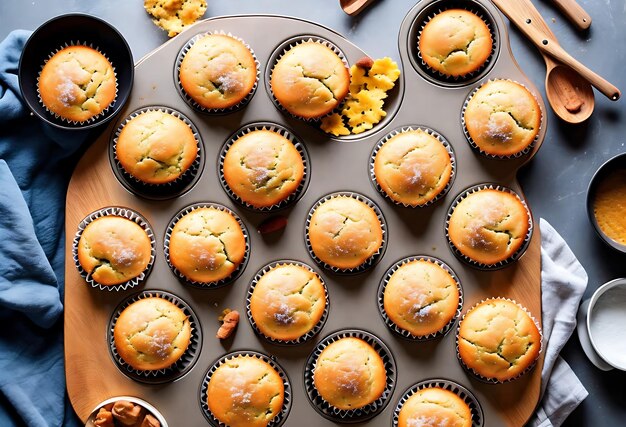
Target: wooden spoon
{"points": [[575, 13], [354, 7]]}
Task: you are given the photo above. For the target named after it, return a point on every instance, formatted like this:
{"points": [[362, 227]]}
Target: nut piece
{"points": [[272, 224], [365, 62], [127, 413], [231, 318], [150, 421], [104, 418]]}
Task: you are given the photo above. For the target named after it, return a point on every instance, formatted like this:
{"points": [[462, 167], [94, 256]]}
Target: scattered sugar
{"points": [[283, 315], [349, 380], [124, 256], [65, 90], [161, 344], [424, 421], [240, 396], [419, 312], [416, 175], [498, 131], [260, 175], [229, 83], [204, 257]]}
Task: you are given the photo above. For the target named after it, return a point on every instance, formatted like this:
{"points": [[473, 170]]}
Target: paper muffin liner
{"points": [[493, 380], [350, 415], [515, 256], [296, 195], [368, 263], [189, 100], [467, 396], [206, 285], [399, 131], [403, 332], [124, 213], [178, 369], [304, 338], [279, 419]]}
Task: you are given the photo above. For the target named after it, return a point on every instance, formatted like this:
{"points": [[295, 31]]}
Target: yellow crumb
{"points": [[175, 15], [333, 124]]}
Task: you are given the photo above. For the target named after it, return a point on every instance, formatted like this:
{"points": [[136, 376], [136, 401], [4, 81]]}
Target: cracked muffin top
{"points": [[421, 297], [455, 43], [218, 72], [498, 340], [435, 407], [502, 118], [114, 250], [245, 392], [287, 302], [77, 83], [413, 167], [156, 147], [349, 374], [310, 80], [263, 168], [489, 226], [151, 334], [207, 245], [345, 232]]}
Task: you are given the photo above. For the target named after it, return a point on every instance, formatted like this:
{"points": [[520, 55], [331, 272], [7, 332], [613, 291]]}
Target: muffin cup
{"points": [[124, 213], [295, 196], [403, 332], [399, 131], [206, 285], [178, 369], [280, 418], [353, 415], [306, 337], [488, 267]]}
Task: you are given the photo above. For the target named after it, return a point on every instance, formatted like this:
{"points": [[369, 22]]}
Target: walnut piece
{"points": [[230, 323], [104, 418], [150, 421], [127, 413]]}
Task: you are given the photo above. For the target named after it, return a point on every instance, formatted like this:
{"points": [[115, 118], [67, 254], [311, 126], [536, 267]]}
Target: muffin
{"points": [[502, 118], [412, 167], [310, 80], [152, 334], [113, 250], [344, 232], [349, 374], [207, 245], [156, 147], [489, 226], [77, 83], [218, 72], [287, 302], [498, 340], [455, 43], [421, 297], [434, 407], [263, 168], [245, 392]]}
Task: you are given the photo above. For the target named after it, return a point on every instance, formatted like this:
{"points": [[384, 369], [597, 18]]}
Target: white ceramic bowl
{"points": [[136, 400]]}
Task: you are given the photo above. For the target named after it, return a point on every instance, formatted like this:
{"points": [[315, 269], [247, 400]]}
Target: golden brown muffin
{"points": [[174, 15], [609, 197], [345, 232], [114, 250], [498, 340], [413, 167], [349, 374], [503, 118], [218, 72], [421, 297], [207, 245], [263, 168], [489, 226], [455, 43], [435, 407], [287, 302], [310, 80], [245, 392], [77, 83], [156, 147], [152, 334]]}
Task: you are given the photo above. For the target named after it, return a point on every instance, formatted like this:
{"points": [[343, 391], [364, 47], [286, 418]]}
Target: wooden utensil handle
{"points": [[575, 13], [355, 7]]}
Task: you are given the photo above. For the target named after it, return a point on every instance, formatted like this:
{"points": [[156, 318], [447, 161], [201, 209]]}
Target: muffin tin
{"points": [[335, 165]]}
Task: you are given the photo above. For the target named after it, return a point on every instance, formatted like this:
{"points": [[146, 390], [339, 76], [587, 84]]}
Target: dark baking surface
{"points": [[555, 182]]}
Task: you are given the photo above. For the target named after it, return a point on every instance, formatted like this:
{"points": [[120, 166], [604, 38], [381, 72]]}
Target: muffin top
{"points": [[287, 302], [77, 83], [502, 118], [151, 334], [207, 245], [263, 168], [114, 250], [156, 147], [455, 42], [310, 80], [345, 232], [435, 407], [245, 392], [421, 297], [489, 226], [218, 72], [413, 167]]}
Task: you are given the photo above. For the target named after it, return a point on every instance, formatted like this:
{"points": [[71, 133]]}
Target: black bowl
{"points": [[67, 29]]}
